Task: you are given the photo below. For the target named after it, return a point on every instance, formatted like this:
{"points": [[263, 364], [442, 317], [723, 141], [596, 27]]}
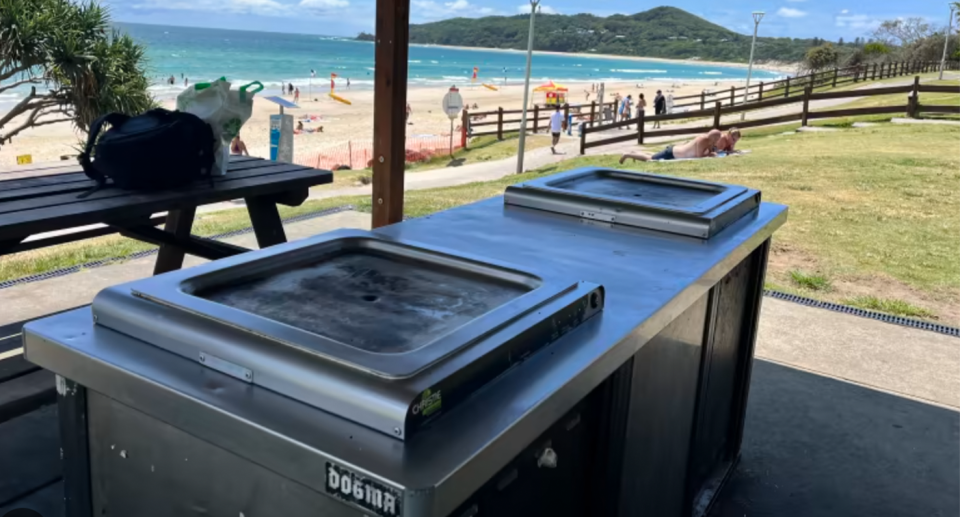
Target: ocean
{"points": [[200, 54]]}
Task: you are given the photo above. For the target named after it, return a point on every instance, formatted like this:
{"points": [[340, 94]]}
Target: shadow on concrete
{"points": [[816, 446], [456, 162]]}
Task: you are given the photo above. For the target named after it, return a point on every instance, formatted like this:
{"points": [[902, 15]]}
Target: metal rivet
{"points": [[380, 201], [381, 159], [112, 447], [94, 318], [396, 431], [203, 358], [123, 454], [246, 375]]}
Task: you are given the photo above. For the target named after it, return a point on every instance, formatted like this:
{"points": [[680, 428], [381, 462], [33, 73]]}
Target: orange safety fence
{"points": [[357, 155]]}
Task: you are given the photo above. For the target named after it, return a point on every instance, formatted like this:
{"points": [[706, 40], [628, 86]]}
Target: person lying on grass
{"points": [[700, 147], [728, 141]]}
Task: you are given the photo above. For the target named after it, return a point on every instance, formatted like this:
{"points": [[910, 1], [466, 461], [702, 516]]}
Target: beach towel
{"points": [[722, 155]]}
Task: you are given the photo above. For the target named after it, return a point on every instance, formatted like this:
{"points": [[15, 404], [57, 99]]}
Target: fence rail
{"points": [[732, 100], [912, 109]]}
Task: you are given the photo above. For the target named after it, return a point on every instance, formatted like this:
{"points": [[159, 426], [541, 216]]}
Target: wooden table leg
{"points": [[179, 223], [267, 225]]}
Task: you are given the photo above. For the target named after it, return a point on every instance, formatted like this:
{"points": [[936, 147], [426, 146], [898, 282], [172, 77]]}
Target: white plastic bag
{"points": [[224, 109]]}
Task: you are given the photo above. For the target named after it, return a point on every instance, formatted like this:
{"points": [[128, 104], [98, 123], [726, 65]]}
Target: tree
{"points": [[819, 58], [876, 48], [76, 67], [902, 32]]}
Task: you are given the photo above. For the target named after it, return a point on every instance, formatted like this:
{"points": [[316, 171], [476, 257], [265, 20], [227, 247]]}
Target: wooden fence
{"points": [[501, 121], [911, 109]]}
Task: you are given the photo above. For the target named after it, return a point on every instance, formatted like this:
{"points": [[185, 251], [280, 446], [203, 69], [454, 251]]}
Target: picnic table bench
{"points": [[47, 200], [41, 206]]}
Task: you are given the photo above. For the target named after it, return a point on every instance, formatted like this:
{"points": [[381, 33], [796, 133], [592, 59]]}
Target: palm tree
{"points": [[76, 67]]}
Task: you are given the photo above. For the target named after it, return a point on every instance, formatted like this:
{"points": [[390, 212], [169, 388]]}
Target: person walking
{"points": [[659, 106], [296, 95], [556, 127]]}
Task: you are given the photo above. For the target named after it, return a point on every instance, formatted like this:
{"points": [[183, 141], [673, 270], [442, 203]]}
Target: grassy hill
{"points": [[665, 32]]}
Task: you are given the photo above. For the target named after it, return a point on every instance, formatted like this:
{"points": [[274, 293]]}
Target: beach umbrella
{"points": [[551, 86]]}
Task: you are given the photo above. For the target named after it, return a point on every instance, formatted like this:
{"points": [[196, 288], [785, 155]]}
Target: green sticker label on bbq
{"points": [[368, 494], [430, 402]]}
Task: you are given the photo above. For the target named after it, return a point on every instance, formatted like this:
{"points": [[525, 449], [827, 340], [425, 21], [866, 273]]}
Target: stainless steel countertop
{"points": [[650, 278]]}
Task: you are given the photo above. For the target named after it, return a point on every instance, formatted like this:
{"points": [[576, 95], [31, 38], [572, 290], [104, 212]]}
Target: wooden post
{"points": [[464, 128], [760, 96], [566, 114], [874, 77], [583, 139], [786, 91], [640, 127], [500, 123], [913, 103], [806, 105], [716, 115], [835, 77], [536, 118], [389, 110], [732, 95], [703, 99], [593, 113]]}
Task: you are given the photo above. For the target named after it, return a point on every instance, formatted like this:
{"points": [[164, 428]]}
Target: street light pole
{"points": [[526, 87], [946, 43], [757, 16]]}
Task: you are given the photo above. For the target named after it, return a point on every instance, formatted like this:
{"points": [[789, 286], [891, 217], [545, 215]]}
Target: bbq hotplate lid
{"points": [[652, 201], [384, 307]]}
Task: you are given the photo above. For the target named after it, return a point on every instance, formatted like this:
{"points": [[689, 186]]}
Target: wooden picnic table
{"points": [[47, 199]]}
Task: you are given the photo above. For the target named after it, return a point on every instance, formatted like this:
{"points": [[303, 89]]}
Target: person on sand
{"points": [[409, 111], [728, 141], [296, 95], [700, 147], [556, 127], [238, 147], [659, 106], [641, 105]]}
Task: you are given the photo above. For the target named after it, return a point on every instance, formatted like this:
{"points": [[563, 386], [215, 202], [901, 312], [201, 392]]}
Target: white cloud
{"points": [[845, 11], [430, 10], [323, 5], [544, 9], [789, 12], [857, 22], [257, 7]]}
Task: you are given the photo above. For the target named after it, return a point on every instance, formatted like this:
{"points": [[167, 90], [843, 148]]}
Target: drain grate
{"points": [[146, 253], [863, 313]]}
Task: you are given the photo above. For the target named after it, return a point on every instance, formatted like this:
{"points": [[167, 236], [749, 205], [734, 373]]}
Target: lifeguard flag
{"points": [[475, 70]]}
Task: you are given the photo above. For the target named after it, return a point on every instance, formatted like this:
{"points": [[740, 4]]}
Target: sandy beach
{"points": [[352, 123]]}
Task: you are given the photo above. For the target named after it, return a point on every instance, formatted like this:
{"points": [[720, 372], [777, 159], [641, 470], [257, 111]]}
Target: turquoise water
{"points": [[273, 58]]}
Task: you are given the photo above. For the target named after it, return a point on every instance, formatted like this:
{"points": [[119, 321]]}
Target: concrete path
{"points": [[925, 121]]}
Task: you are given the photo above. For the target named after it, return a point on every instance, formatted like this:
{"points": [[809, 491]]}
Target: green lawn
{"points": [[874, 213]]}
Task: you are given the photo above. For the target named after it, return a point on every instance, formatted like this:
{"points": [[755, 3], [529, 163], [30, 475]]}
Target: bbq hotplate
{"points": [[388, 333], [676, 205]]}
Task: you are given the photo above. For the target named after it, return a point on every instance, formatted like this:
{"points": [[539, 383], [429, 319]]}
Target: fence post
{"points": [[350, 153], [913, 103], [703, 99], [786, 91], [835, 77], [640, 127], [500, 123], [874, 76], [716, 115], [806, 105], [536, 118], [732, 95], [583, 138], [593, 112], [464, 129], [760, 97], [566, 115]]}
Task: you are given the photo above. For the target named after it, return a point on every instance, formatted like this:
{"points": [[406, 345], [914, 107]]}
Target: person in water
{"points": [[238, 147], [700, 147]]}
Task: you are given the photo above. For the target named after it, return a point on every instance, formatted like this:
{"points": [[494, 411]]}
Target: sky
{"points": [[828, 19]]}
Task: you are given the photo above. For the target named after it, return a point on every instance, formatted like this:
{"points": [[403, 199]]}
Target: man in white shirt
{"points": [[556, 127]]}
